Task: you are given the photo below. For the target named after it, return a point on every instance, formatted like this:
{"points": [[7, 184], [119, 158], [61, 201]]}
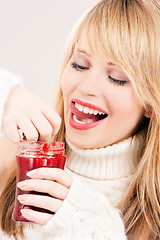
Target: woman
{"points": [[109, 102]]}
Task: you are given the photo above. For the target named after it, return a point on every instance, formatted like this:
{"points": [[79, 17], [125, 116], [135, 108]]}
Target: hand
{"points": [[26, 111], [53, 181]]}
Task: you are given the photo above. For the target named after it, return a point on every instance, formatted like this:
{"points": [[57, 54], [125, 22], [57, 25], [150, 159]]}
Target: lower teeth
{"points": [[76, 120]]}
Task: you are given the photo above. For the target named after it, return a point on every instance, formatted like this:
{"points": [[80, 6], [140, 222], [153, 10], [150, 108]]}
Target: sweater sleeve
{"points": [[85, 214], [7, 81]]}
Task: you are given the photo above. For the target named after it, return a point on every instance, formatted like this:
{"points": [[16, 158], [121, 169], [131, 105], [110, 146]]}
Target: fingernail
{"points": [[21, 185], [24, 212], [24, 137], [31, 173], [22, 198]]}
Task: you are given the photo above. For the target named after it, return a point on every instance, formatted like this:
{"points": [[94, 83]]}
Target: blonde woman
{"points": [[109, 102]]}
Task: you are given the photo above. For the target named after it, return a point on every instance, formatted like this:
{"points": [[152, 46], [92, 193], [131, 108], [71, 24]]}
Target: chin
{"points": [[83, 142], [78, 143]]}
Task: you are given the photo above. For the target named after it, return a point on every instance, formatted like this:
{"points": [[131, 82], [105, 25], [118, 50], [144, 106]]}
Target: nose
{"points": [[90, 83]]}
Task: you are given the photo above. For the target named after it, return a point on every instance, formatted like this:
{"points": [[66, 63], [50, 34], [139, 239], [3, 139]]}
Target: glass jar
{"points": [[32, 155]]}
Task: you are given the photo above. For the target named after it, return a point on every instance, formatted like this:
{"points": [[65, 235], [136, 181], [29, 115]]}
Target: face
{"points": [[100, 106]]}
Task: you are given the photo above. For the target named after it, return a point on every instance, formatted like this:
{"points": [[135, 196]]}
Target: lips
{"points": [[85, 115]]}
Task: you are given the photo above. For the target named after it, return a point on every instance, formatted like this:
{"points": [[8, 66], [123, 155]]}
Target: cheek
{"points": [[124, 102], [64, 82], [68, 81]]}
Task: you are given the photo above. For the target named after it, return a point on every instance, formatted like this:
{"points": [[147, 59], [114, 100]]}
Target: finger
{"points": [[37, 217], [9, 126], [55, 174], [53, 117], [46, 186], [43, 126], [28, 129], [11, 132], [21, 134], [48, 203]]}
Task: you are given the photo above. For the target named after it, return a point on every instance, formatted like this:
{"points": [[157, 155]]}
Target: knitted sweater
{"points": [[101, 177], [7, 81]]}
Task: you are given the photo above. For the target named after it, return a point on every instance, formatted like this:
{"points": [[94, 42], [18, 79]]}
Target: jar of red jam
{"points": [[34, 155]]}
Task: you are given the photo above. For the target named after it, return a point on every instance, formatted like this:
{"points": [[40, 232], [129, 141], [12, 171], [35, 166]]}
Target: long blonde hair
{"points": [[128, 34]]}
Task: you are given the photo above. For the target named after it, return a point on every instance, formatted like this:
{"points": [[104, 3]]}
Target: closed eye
{"points": [[78, 67], [118, 81]]}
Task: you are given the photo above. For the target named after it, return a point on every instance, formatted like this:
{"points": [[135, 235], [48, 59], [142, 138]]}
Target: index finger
{"points": [[53, 117], [55, 174]]}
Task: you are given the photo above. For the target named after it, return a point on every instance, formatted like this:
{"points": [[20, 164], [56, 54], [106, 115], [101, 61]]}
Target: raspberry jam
{"points": [[35, 155]]}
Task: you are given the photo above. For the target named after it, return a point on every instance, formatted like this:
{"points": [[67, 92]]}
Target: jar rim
{"points": [[45, 146]]}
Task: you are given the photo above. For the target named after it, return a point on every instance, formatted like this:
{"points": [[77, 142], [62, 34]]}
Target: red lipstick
{"points": [[84, 121], [88, 105]]}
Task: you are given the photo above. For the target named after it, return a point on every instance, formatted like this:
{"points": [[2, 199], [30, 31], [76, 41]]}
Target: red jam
{"points": [[31, 157]]}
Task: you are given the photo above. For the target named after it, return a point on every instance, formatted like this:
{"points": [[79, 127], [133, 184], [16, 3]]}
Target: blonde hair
{"points": [[127, 32]]}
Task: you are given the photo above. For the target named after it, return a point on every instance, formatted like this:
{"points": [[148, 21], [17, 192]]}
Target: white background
{"points": [[32, 37]]}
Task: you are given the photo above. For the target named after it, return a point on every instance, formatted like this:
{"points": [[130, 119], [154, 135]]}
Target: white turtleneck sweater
{"points": [[109, 169], [101, 177]]}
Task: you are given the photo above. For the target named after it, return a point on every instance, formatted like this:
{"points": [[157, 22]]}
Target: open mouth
{"points": [[86, 115]]}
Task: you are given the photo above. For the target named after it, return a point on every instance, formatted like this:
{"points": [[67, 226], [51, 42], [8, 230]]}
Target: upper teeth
{"points": [[87, 110]]}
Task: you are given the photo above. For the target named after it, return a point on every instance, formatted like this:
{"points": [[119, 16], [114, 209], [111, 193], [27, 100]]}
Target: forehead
{"points": [[89, 48], [83, 46]]}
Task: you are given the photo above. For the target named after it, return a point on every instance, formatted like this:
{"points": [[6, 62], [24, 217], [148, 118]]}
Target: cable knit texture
{"points": [[7, 81], [89, 212]]}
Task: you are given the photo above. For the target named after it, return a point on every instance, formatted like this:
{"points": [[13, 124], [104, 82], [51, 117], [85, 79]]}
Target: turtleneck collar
{"points": [[109, 163]]}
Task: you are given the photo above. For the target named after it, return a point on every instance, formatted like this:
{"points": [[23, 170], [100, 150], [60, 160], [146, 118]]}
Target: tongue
{"points": [[84, 117], [90, 119]]}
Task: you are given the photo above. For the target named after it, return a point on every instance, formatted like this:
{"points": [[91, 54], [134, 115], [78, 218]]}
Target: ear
{"points": [[148, 112]]}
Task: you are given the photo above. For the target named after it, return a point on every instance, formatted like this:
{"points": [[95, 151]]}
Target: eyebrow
{"points": [[89, 55], [83, 51]]}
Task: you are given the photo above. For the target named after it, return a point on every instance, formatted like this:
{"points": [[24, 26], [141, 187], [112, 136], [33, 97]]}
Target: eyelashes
{"points": [[78, 67], [113, 80], [117, 81]]}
